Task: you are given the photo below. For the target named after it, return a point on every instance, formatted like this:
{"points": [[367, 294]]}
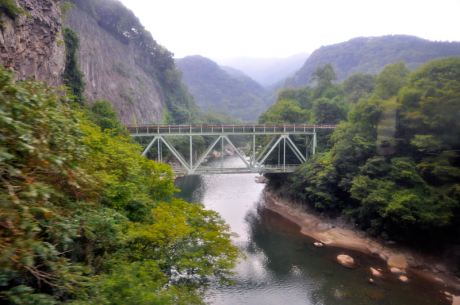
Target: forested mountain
{"points": [[213, 87], [371, 55], [266, 71]]}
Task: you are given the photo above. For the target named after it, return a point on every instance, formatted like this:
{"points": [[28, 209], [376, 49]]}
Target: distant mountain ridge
{"points": [[213, 87], [266, 71], [371, 55]]}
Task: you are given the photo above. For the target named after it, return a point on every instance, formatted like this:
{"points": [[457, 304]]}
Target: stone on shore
{"points": [[318, 244], [397, 270], [455, 300], [439, 280], [403, 279], [440, 267], [375, 272], [398, 261], [346, 260]]}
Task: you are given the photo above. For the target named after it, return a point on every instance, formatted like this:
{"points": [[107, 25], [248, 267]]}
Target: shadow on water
{"points": [[282, 265]]}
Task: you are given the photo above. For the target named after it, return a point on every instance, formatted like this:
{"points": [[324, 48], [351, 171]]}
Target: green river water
{"points": [[282, 265]]}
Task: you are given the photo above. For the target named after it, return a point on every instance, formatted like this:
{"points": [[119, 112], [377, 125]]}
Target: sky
{"points": [[220, 29]]}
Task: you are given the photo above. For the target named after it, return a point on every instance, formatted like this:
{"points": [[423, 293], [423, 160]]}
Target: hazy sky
{"points": [[280, 28]]}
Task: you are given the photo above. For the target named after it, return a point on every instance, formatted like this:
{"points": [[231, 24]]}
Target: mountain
{"points": [[213, 87], [266, 71], [233, 71], [371, 55], [103, 40]]}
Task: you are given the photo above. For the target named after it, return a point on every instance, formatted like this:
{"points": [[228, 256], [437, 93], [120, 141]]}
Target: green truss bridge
{"points": [[253, 164]]}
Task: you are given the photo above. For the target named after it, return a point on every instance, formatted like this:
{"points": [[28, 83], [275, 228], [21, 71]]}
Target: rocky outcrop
{"points": [[111, 73], [33, 47]]}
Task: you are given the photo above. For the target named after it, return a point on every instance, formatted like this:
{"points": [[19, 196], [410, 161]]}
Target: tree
{"points": [[358, 85], [392, 79], [324, 77]]}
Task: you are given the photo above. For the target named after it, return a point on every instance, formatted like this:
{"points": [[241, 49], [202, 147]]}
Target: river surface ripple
{"points": [[282, 265]]}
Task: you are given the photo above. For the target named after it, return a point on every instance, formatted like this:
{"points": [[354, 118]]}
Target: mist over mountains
{"points": [[266, 71]]}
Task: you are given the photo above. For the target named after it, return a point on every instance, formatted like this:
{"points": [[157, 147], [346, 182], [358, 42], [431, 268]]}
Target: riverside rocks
{"points": [[318, 244], [397, 270], [375, 272], [398, 261], [403, 279], [346, 260]]}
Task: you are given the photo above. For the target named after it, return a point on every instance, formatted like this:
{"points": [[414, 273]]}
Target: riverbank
{"points": [[340, 233]]}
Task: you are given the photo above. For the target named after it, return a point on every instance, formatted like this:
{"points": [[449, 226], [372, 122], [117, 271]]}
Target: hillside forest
{"points": [[393, 162]]}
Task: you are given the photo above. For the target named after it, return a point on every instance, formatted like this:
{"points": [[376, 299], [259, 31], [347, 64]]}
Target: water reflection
{"points": [[283, 266]]}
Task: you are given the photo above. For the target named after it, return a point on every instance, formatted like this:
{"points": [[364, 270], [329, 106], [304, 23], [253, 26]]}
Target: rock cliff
{"points": [[111, 73], [30, 45]]}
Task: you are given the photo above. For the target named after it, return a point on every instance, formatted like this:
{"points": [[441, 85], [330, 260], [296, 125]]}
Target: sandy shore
{"points": [[333, 233]]}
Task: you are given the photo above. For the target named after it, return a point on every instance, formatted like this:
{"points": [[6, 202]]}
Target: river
{"points": [[282, 265]]}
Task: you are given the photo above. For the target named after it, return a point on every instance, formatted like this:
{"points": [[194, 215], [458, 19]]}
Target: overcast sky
{"points": [[280, 28]]}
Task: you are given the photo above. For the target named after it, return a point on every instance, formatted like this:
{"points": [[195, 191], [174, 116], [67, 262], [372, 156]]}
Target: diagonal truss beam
{"points": [[271, 149], [206, 152], [296, 150], [237, 151], [265, 149], [149, 146], [175, 153]]}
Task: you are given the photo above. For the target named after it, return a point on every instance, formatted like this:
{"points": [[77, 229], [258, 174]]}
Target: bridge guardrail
{"points": [[219, 129]]}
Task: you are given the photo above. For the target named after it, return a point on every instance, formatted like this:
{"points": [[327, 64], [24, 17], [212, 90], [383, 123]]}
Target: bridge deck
{"points": [[205, 130], [179, 170]]}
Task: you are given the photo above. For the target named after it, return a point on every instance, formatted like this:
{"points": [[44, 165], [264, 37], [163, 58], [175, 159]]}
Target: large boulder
{"points": [[346, 260], [398, 261]]}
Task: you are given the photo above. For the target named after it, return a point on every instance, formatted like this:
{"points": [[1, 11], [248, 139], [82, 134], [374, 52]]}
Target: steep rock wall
{"points": [[111, 73], [30, 45]]}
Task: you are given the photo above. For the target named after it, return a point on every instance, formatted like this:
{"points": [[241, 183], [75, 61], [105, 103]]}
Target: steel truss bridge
{"points": [[255, 164]]}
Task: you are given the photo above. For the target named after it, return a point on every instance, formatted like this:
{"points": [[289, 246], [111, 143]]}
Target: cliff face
{"points": [[111, 73], [29, 45]]}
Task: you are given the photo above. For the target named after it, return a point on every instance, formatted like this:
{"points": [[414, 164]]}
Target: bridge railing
{"points": [[219, 129]]}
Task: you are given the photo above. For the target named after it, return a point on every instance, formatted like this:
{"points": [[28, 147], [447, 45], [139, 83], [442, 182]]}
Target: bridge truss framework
{"points": [[255, 164]]}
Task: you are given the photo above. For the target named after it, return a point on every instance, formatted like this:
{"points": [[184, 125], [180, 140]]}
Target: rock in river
{"points": [[318, 244], [346, 260]]}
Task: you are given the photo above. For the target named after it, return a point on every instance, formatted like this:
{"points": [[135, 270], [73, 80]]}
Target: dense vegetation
{"points": [[215, 88], [85, 219], [371, 55], [393, 163]]}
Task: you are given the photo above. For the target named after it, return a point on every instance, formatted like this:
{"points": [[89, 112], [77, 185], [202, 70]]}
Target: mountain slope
{"points": [[266, 71], [371, 55], [213, 87], [125, 65]]}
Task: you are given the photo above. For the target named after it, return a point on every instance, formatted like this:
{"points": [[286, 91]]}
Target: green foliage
{"points": [[358, 85], [73, 76], [84, 218], [408, 192], [10, 9], [392, 79], [285, 111], [65, 8], [324, 77], [326, 111]]}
